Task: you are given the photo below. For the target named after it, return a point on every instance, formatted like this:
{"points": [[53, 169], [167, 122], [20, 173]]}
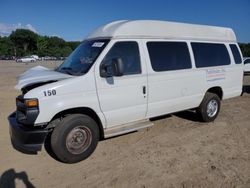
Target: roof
{"points": [[163, 29]]}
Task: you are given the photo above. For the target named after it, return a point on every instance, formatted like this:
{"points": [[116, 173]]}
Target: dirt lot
{"points": [[178, 151]]}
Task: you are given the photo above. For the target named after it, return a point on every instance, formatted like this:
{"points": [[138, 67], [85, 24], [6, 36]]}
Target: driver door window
{"points": [[128, 52]]}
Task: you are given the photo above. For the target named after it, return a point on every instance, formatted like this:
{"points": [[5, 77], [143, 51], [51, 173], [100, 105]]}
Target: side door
{"points": [[123, 99], [173, 83]]}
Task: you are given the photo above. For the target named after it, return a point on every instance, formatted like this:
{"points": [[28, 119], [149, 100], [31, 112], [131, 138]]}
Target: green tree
{"points": [[56, 42], [42, 45], [55, 46], [24, 41], [73, 44], [245, 49], [6, 46], [66, 51]]}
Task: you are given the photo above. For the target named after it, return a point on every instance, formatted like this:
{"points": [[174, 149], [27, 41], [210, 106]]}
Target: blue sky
{"points": [[74, 19]]}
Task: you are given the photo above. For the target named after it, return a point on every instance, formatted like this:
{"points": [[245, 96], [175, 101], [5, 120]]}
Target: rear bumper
{"points": [[26, 140]]}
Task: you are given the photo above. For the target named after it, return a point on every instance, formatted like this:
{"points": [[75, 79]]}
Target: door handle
{"points": [[144, 90]]}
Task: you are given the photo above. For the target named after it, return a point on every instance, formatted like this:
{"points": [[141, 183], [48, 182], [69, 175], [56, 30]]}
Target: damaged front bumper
{"points": [[24, 139]]}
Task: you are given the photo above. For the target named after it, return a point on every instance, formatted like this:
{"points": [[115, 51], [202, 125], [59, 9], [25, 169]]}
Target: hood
{"points": [[39, 74]]}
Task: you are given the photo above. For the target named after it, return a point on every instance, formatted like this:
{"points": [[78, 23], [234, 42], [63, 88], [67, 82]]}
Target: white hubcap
{"points": [[212, 108]]}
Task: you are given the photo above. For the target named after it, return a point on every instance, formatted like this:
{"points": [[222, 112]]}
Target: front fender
{"points": [[50, 106]]}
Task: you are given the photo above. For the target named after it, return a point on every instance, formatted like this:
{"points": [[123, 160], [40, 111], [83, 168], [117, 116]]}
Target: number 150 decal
{"points": [[49, 93]]}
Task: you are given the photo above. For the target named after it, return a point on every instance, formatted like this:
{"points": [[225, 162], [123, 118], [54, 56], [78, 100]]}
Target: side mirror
{"points": [[106, 71], [117, 66]]}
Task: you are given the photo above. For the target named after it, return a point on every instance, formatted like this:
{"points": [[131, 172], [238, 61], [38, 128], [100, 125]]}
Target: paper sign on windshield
{"points": [[98, 44]]}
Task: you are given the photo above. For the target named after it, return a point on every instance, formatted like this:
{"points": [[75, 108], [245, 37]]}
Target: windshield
{"points": [[83, 57]]}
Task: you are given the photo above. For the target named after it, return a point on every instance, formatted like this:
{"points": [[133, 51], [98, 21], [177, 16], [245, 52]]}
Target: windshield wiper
{"points": [[68, 70]]}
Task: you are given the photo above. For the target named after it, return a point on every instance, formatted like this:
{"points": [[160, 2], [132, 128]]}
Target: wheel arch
{"points": [[216, 90], [81, 110]]}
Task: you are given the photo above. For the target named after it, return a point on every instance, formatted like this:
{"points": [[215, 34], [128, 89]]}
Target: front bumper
{"points": [[26, 140]]}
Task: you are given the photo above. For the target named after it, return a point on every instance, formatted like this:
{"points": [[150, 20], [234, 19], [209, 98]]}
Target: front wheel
{"points": [[75, 138], [209, 107]]}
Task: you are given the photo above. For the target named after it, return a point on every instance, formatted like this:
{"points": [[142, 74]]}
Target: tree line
{"points": [[22, 42], [245, 49]]}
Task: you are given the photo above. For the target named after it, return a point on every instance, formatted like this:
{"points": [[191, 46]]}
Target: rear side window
{"points": [[210, 54], [236, 53], [166, 56], [129, 53]]}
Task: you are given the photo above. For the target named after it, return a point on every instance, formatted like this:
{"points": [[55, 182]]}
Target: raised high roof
{"points": [[163, 29]]}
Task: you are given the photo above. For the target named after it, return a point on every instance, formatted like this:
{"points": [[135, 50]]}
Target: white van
{"points": [[121, 75]]}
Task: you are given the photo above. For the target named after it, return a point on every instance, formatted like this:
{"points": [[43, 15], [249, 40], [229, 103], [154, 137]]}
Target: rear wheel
{"points": [[75, 138], [209, 107]]}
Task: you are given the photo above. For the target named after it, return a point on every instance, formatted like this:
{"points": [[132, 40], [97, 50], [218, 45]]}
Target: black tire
{"points": [[75, 138], [205, 111]]}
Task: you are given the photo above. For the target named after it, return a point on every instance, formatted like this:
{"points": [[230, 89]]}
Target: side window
{"points": [[210, 54], [166, 56], [129, 53], [236, 53]]}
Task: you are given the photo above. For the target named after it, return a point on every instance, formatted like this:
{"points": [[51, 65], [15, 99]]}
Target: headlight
{"points": [[26, 103], [31, 103]]}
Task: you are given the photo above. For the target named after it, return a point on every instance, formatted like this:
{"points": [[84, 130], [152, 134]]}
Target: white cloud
{"points": [[6, 29], [30, 27]]}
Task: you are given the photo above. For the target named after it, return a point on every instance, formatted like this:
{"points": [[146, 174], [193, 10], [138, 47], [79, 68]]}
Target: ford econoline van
{"points": [[120, 76]]}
